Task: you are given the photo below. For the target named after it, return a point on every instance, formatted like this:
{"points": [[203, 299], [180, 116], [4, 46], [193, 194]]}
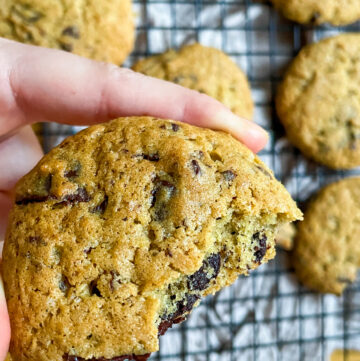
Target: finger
{"points": [[18, 155], [50, 85], [4, 325]]}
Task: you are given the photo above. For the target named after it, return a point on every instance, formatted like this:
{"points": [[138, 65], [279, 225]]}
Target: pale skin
{"points": [[38, 84]]}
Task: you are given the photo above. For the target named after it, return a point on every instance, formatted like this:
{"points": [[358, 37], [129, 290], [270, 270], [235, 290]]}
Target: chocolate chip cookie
{"points": [[319, 103], [206, 70], [119, 232], [327, 252], [335, 12], [101, 30]]}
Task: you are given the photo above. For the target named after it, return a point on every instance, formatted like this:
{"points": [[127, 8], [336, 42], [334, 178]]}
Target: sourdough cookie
{"points": [[101, 30], [327, 252], [120, 230], [319, 101], [206, 70], [335, 12], [285, 236]]}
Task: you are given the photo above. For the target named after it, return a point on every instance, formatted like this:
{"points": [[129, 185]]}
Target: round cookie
{"points": [[120, 230], [207, 70], [326, 255], [318, 101], [101, 30], [335, 12]]}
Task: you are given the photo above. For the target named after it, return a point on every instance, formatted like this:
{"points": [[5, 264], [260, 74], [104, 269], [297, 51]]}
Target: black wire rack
{"points": [[269, 315]]}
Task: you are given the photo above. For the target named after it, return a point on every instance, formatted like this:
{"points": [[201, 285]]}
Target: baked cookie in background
{"points": [[120, 230], [205, 69], [38, 130], [335, 12], [326, 252], [285, 236], [318, 101], [101, 30]]}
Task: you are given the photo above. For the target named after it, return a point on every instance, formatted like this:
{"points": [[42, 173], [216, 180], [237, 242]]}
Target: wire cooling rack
{"points": [[267, 316]]}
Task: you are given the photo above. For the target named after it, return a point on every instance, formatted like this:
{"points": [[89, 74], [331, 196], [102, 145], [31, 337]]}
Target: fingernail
{"points": [[248, 132]]}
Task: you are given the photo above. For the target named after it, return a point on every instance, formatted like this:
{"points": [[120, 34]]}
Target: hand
{"points": [[38, 84]]}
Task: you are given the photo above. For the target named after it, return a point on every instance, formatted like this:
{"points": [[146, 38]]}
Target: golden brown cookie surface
{"points": [[119, 231], [327, 253], [206, 70], [335, 12], [318, 101], [101, 30]]}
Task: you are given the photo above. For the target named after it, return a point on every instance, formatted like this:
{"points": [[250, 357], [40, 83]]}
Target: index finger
{"points": [[40, 84]]}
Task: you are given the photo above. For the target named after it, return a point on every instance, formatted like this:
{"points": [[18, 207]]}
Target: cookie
{"points": [[345, 355], [101, 30], [318, 101], [119, 231], [285, 236], [8, 357], [327, 252], [206, 70], [335, 12]]}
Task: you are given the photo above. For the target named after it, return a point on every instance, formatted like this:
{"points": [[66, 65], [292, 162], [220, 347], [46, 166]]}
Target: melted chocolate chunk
{"points": [[151, 157], [32, 198], [93, 289], [196, 167], [74, 172], [229, 175], [200, 280], [101, 208], [261, 249], [80, 196], [67, 47], [67, 357], [34, 239], [175, 127], [72, 31], [182, 307], [315, 17], [64, 284], [162, 184], [262, 170]]}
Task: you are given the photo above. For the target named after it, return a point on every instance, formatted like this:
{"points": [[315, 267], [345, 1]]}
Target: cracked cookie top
{"points": [[327, 253], [317, 12], [205, 69], [101, 30], [318, 101], [119, 231]]}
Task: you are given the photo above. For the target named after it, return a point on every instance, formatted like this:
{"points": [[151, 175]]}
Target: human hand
{"points": [[38, 84]]}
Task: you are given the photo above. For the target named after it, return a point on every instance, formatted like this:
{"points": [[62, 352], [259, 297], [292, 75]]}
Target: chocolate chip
{"points": [[80, 196], [67, 357], [34, 239], [74, 171], [315, 17], [64, 284], [229, 175], [100, 208], [175, 127], [151, 157], [72, 31], [260, 250], [93, 289], [32, 199], [66, 46], [161, 184], [182, 307], [200, 280], [196, 167]]}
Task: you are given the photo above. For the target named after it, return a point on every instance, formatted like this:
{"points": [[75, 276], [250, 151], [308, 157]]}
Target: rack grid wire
{"points": [[269, 315]]}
